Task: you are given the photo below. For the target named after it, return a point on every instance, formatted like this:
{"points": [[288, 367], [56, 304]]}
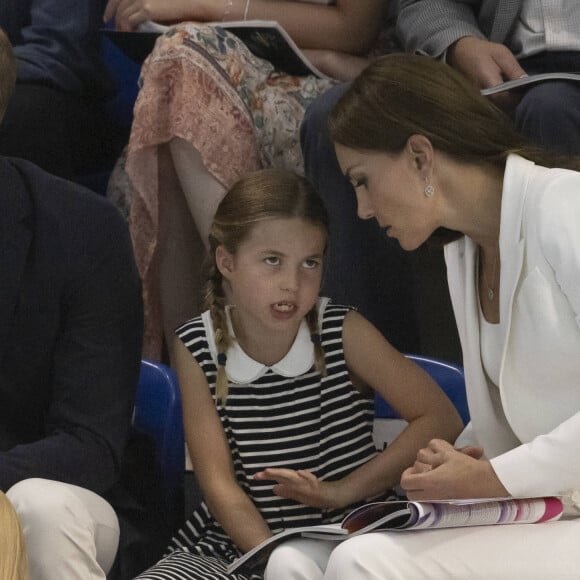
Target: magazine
{"points": [[256, 558], [530, 80], [402, 515], [265, 38]]}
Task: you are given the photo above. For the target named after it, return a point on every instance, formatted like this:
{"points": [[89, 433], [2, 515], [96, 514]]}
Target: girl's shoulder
{"points": [[330, 315], [195, 333]]}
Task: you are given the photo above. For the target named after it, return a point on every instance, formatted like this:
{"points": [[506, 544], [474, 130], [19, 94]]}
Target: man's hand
{"points": [[303, 486], [487, 64], [443, 472]]}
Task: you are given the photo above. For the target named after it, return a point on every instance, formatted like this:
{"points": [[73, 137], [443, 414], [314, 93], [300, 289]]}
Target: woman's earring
{"points": [[429, 189]]}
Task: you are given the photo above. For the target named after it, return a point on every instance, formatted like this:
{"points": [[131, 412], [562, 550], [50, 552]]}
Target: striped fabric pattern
{"points": [[322, 424]]}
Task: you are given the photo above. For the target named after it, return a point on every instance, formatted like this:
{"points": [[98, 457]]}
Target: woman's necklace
{"points": [[490, 287]]}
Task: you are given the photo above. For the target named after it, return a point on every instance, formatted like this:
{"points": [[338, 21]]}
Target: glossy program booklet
{"points": [[530, 80], [399, 516], [264, 38]]}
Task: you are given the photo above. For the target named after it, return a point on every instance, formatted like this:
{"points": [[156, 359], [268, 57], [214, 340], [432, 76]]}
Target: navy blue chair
{"points": [[157, 415]]}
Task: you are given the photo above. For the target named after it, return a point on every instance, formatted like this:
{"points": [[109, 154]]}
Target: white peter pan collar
{"points": [[241, 368]]}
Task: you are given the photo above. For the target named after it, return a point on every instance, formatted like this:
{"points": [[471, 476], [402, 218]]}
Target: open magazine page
{"points": [[268, 40], [530, 80], [454, 514], [255, 560], [406, 516], [264, 38], [415, 515]]}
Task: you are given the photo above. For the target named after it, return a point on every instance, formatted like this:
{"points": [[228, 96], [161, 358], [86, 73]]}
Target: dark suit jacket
{"points": [[71, 325], [70, 331], [431, 26]]}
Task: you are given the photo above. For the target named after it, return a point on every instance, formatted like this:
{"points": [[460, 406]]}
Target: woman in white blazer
{"points": [[429, 158]]}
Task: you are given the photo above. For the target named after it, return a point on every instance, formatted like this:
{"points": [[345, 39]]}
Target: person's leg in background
{"points": [[549, 113], [364, 268], [70, 532], [57, 131]]}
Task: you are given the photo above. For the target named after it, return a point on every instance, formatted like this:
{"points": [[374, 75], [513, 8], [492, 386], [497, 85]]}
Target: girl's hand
{"points": [[302, 486], [128, 14], [443, 472]]}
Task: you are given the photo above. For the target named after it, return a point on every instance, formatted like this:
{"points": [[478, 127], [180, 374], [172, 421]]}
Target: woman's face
{"points": [[390, 188]]}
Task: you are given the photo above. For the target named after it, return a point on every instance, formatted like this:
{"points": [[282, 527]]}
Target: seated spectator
{"points": [[208, 112], [13, 564], [280, 435], [548, 114], [70, 347], [431, 159], [491, 42], [53, 118]]}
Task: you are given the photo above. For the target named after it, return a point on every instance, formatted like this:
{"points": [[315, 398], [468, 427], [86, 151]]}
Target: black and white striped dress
{"points": [[287, 416]]}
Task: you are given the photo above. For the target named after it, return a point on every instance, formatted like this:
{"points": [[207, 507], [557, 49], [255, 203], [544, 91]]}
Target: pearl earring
{"points": [[429, 189]]}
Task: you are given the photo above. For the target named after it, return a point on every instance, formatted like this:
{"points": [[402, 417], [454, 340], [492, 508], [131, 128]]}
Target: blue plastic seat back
{"points": [[157, 414], [447, 375]]}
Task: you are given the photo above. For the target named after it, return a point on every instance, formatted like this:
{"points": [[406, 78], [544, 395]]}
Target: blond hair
{"points": [[399, 95], [13, 565], [259, 196], [7, 72]]}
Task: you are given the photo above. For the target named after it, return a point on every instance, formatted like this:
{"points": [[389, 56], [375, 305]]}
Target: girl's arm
{"points": [[211, 457], [409, 390], [349, 26]]}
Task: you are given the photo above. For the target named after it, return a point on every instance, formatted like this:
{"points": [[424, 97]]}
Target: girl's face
{"points": [[390, 188], [275, 274]]}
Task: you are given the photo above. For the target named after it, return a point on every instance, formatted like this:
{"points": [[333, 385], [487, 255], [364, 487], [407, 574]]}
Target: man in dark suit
{"points": [[70, 348], [491, 41]]}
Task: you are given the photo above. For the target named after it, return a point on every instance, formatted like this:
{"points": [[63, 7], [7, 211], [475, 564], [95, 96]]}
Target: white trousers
{"points": [[71, 533], [549, 551]]}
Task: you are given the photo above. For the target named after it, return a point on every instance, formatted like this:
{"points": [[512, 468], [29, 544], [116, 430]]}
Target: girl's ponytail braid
{"points": [[312, 321], [215, 302]]}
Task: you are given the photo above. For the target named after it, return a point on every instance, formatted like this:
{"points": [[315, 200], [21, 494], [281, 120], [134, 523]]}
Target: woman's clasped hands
{"points": [[442, 471]]}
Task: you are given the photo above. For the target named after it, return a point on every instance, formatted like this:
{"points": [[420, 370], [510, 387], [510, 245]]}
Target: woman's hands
{"points": [[304, 487], [443, 472], [128, 14]]}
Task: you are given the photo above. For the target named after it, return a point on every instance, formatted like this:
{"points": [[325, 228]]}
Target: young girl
{"points": [[278, 434]]}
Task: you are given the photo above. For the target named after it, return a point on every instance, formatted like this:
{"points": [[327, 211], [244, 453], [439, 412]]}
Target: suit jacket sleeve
{"points": [[431, 26], [95, 358], [61, 44]]}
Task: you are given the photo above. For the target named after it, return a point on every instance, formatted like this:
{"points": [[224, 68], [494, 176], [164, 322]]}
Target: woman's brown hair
{"points": [[262, 195], [399, 95]]}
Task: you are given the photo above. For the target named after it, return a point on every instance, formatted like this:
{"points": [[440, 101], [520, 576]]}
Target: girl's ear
{"points": [[421, 150], [224, 262]]}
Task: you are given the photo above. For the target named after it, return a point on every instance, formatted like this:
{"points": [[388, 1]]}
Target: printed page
{"points": [[454, 514], [256, 558], [264, 38], [530, 80]]}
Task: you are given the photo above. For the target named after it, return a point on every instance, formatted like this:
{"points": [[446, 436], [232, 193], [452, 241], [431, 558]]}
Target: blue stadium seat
{"points": [[157, 414], [447, 375]]}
